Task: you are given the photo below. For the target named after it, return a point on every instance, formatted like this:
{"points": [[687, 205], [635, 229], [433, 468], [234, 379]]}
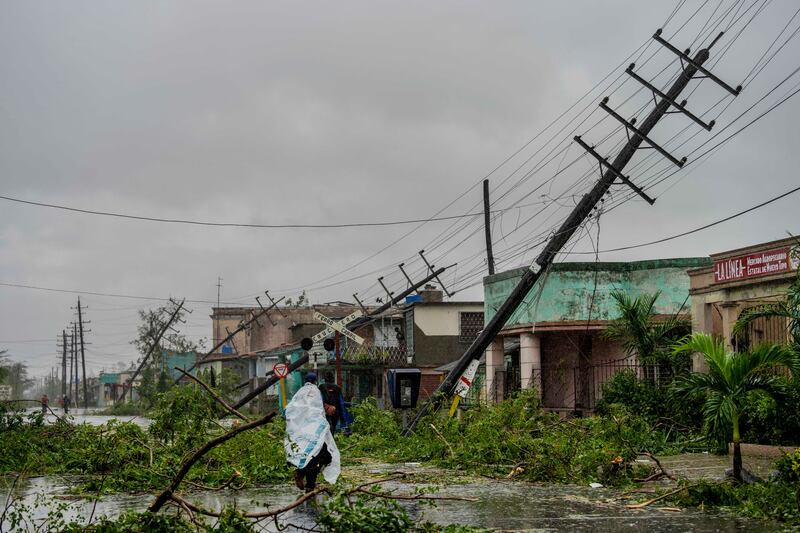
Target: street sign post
{"points": [[281, 370], [463, 385]]}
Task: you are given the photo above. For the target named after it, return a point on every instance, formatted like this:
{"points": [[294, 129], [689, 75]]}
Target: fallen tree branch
{"points": [[165, 495], [414, 496], [396, 476], [265, 514], [644, 504], [662, 472], [214, 395], [439, 434]]}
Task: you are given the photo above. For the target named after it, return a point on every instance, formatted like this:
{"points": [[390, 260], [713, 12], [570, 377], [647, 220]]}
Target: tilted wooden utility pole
{"points": [[231, 334], [358, 323], [156, 340], [637, 135]]}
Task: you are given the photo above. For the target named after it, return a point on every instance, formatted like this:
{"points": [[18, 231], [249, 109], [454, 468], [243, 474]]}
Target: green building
{"points": [[554, 341]]}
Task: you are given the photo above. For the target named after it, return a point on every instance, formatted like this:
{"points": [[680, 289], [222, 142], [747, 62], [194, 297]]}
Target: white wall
{"points": [[441, 319]]}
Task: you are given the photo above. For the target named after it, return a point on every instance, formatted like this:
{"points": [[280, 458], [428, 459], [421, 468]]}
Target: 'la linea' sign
{"points": [[753, 265]]}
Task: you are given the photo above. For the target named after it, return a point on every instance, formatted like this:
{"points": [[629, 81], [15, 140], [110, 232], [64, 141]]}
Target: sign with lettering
{"points": [[754, 265], [337, 325]]}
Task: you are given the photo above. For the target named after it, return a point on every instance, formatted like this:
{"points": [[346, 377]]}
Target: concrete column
{"points": [[495, 362], [730, 312], [530, 361]]}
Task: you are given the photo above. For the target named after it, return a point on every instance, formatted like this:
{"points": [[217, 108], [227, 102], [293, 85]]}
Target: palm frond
{"points": [[762, 359], [777, 309], [712, 349], [719, 411]]}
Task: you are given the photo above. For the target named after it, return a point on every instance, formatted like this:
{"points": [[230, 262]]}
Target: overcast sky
{"points": [[348, 112]]}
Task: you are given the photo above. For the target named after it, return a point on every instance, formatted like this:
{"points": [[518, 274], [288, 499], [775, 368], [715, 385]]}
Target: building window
{"points": [[471, 325]]}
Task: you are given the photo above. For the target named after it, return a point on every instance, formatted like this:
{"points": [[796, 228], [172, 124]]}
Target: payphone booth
{"points": [[403, 387]]}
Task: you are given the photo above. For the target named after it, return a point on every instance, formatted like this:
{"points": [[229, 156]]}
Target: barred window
{"points": [[471, 324]]}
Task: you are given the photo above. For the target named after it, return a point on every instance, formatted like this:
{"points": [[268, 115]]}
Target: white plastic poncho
{"points": [[307, 430]]}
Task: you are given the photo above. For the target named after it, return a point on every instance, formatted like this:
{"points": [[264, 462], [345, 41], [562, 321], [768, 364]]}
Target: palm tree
{"points": [[788, 309], [730, 377], [642, 333]]}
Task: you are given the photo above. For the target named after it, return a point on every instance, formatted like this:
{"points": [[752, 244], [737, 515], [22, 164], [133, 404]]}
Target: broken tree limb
{"points": [[439, 434], [167, 493], [389, 496], [662, 472], [214, 395], [644, 504], [265, 514]]}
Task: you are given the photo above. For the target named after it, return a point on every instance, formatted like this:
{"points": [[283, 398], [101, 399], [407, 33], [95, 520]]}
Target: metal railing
{"points": [[368, 354], [574, 387]]}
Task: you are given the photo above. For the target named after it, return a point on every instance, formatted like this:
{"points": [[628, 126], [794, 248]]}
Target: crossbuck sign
{"points": [[337, 325]]}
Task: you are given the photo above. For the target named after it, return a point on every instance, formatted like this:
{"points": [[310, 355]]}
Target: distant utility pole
{"points": [[83, 356], [487, 227], [63, 363], [219, 288], [75, 360]]}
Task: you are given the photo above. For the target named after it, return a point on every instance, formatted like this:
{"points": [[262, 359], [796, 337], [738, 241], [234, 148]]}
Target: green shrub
{"points": [[773, 421], [775, 500], [653, 403], [512, 435]]}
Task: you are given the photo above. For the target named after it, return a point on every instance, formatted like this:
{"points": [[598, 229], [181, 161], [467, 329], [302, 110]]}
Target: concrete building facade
{"points": [[438, 332], [739, 279], [554, 340]]}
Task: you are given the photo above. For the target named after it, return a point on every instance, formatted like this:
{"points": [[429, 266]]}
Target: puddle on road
{"points": [[90, 416], [501, 505]]}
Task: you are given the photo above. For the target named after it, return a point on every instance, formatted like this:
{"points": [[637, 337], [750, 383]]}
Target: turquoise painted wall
{"points": [[568, 287], [170, 360]]}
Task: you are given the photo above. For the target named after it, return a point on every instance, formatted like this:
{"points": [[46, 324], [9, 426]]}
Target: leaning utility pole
{"points": [[156, 340], [636, 135], [63, 364], [231, 334], [487, 228], [83, 357], [358, 323]]}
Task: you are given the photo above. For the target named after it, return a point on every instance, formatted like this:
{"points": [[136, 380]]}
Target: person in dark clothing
{"points": [[401, 340], [331, 400], [306, 478]]}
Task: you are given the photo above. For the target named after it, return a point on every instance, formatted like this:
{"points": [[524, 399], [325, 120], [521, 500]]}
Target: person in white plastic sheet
{"points": [[309, 444]]}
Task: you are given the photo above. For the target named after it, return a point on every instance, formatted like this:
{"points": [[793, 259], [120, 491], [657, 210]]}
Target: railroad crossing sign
{"points": [[281, 370], [337, 325]]}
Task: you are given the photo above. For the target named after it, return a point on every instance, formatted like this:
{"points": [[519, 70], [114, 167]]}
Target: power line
{"points": [[233, 224], [695, 230], [93, 293]]}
